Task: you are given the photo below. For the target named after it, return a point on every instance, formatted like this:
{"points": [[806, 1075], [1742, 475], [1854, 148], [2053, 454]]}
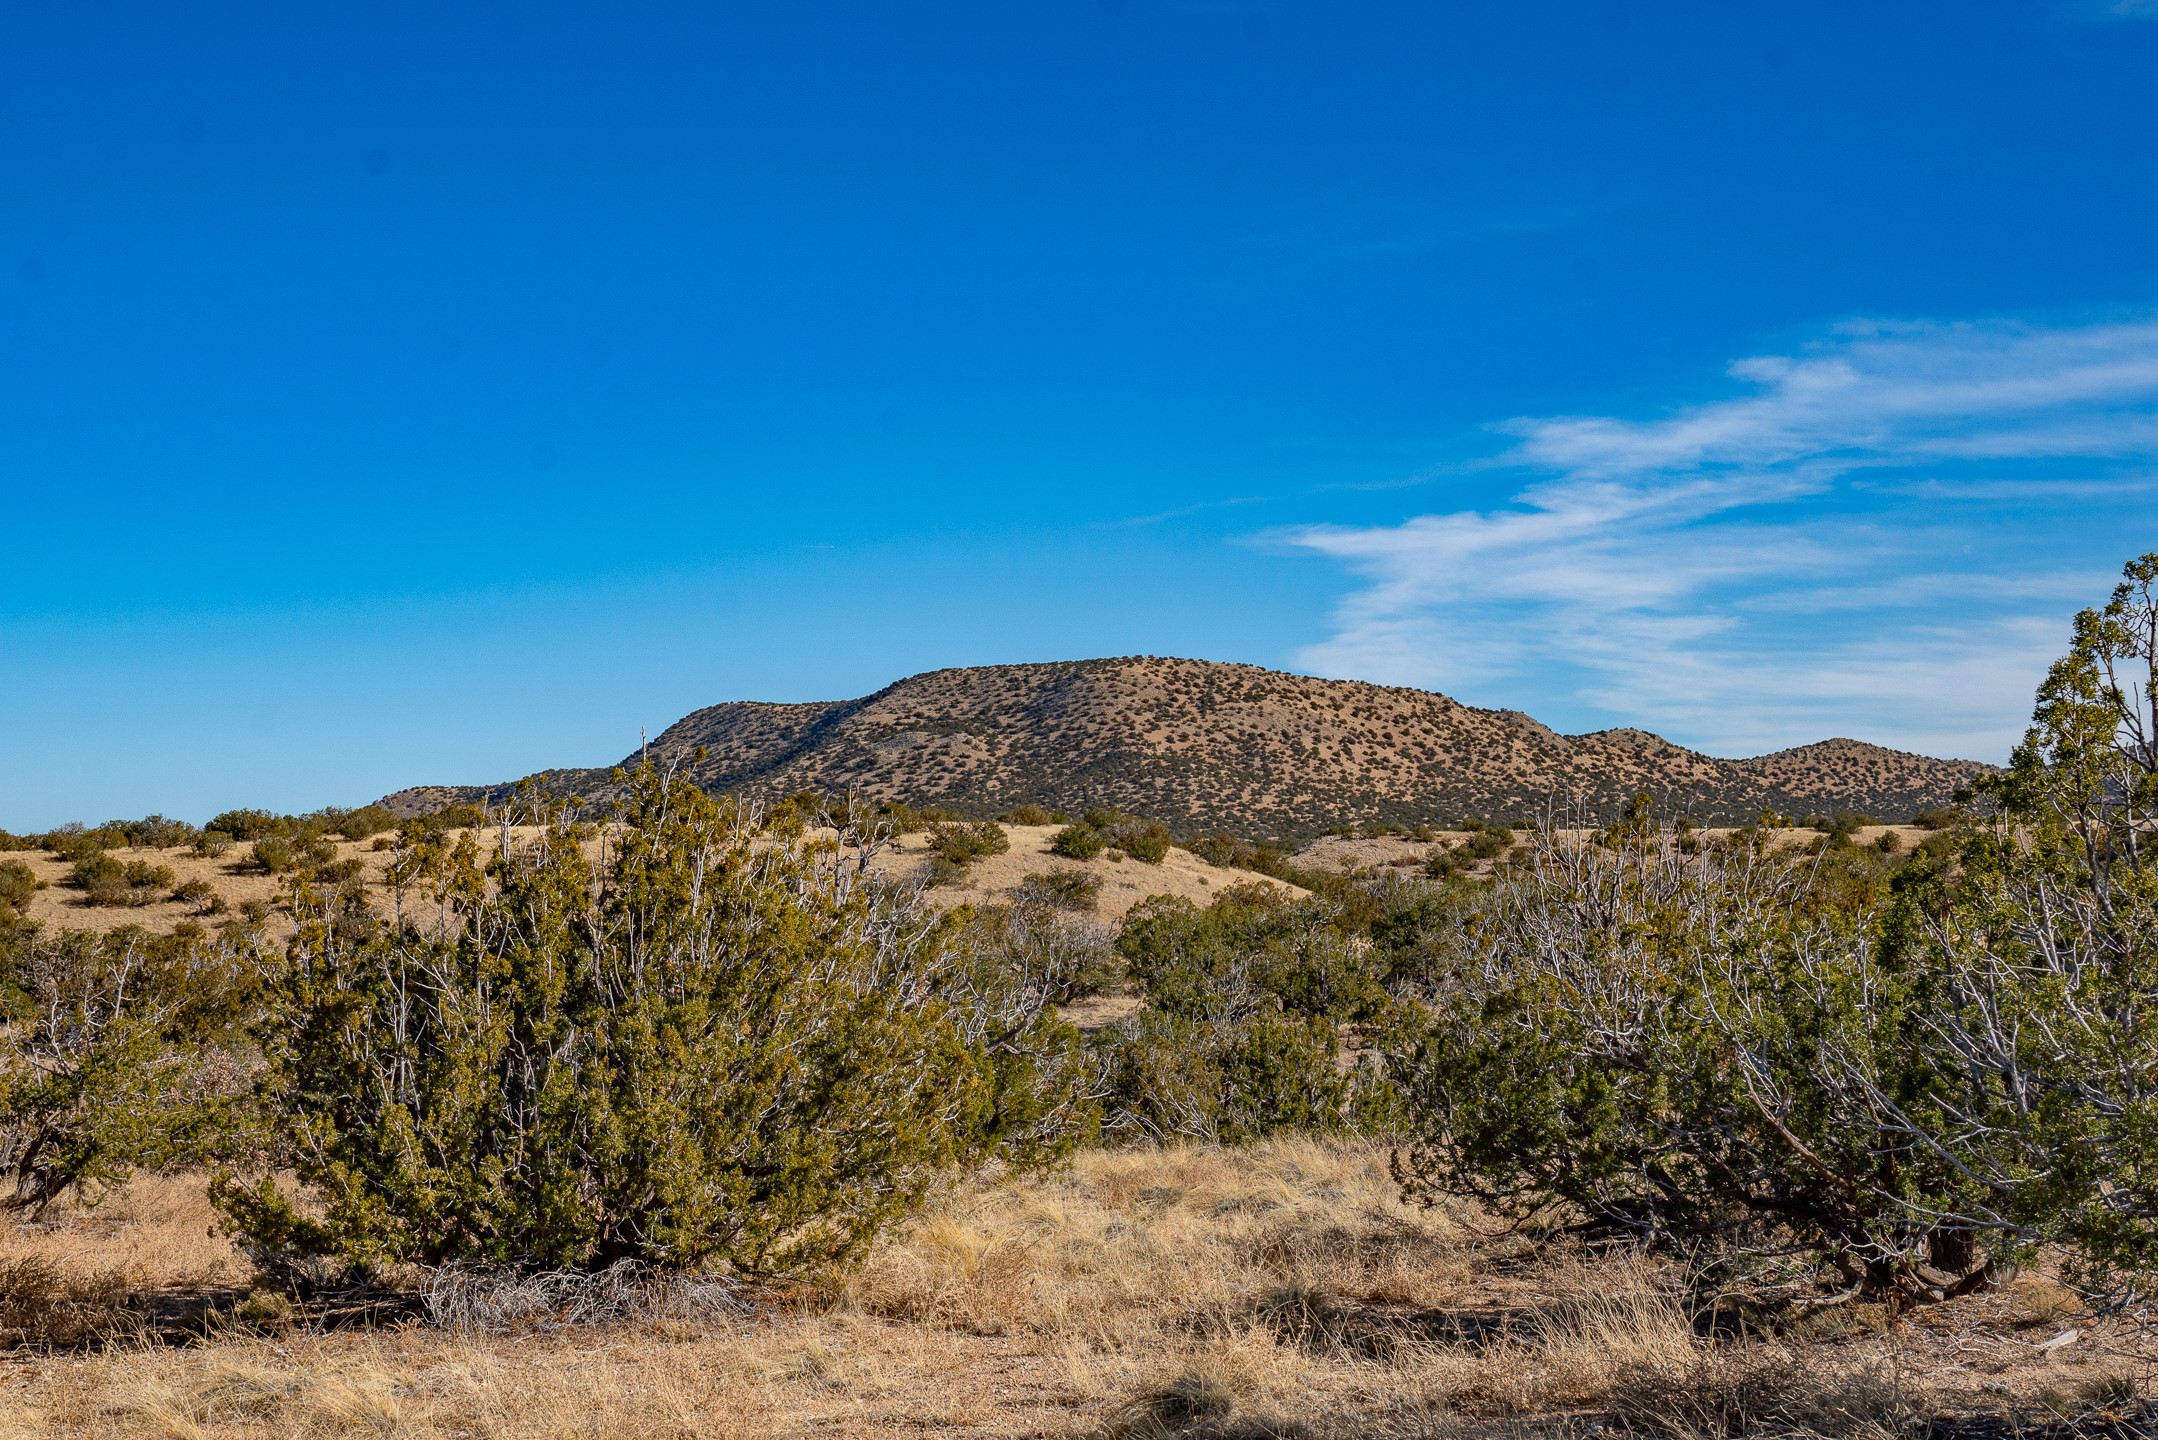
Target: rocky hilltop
{"points": [[1206, 746]]}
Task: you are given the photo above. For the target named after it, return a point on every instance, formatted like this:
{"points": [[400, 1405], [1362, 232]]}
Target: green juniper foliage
{"points": [[1078, 842], [954, 845], [1101, 829], [1240, 1035], [2041, 948], [717, 1044], [1894, 1066], [18, 882], [1659, 1041], [106, 1063], [107, 880]]}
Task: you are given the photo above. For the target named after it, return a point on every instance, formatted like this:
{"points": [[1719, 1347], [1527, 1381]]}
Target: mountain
{"points": [[1205, 746]]}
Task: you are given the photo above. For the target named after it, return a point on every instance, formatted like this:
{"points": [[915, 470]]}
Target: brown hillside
{"points": [[1208, 746]]}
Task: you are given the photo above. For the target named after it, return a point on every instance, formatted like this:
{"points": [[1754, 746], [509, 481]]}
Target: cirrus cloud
{"points": [[1882, 536]]}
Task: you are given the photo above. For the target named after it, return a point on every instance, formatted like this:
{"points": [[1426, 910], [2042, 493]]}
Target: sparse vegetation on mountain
{"points": [[1206, 748]]}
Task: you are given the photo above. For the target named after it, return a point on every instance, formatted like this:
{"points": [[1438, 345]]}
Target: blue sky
{"points": [[408, 393]]}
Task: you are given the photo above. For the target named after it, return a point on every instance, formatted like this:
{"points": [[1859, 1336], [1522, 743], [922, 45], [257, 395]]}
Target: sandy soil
{"points": [[1124, 882]]}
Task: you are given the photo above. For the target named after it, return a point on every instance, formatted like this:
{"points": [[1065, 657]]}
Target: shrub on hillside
{"points": [[247, 824], [729, 1047], [1226, 1073], [212, 844], [274, 854], [105, 880], [1073, 890], [1032, 815], [1231, 853], [1112, 829], [18, 882], [905, 819], [962, 844], [157, 832], [365, 823], [1078, 842], [283, 854], [1489, 842], [2047, 925], [1294, 953], [1142, 841], [441, 822], [1604, 1041], [74, 841]]}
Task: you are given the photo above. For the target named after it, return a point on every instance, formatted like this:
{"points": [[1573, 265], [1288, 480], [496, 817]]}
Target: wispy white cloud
{"points": [[2110, 9], [1813, 555], [1180, 512]]}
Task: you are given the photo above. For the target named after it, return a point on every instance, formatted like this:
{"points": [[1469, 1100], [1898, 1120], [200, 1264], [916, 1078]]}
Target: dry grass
{"points": [[103, 1274], [1277, 1291]]}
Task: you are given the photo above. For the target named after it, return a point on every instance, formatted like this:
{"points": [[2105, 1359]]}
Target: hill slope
{"points": [[1208, 746]]}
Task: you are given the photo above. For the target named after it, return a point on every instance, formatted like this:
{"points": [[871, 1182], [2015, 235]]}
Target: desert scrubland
{"points": [[681, 1115]]}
